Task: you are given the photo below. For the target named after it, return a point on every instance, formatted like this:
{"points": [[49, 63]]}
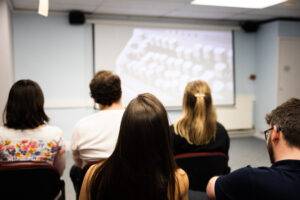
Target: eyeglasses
{"points": [[267, 132]]}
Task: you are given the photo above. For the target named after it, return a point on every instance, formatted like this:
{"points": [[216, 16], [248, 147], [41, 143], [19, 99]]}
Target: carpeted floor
{"points": [[243, 151]]}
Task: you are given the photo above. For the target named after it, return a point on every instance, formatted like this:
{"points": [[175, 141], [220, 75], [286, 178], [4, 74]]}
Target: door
{"points": [[289, 69]]}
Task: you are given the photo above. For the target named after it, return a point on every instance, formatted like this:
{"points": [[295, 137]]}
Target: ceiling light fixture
{"points": [[255, 4], [44, 7]]}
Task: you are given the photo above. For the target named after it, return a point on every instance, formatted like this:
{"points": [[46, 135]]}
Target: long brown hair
{"points": [[198, 121], [142, 165]]}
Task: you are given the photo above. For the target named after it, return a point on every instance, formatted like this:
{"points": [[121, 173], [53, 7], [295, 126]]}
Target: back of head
{"points": [[198, 122], [142, 165], [286, 118], [105, 88], [25, 106]]}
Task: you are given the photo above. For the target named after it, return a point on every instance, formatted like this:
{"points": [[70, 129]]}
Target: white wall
{"points": [[59, 57], [56, 55], [6, 51]]}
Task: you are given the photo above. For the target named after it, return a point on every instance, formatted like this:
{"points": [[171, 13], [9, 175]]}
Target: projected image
{"points": [[162, 61]]}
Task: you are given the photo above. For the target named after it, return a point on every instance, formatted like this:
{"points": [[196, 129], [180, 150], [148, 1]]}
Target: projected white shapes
{"points": [[208, 75], [168, 74], [208, 52], [219, 54], [197, 69], [198, 52], [229, 56], [217, 86], [187, 65], [159, 69], [158, 83], [162, 58], [220, 66], [179, 51], [165, 43], [162, 62], [170, 62], [187, 54], [178, 62], [173, 44]]}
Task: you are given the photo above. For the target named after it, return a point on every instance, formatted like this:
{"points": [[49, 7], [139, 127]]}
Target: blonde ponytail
{"points": [[198, 122]]}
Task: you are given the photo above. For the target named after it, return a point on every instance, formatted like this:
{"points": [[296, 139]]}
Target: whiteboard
{"points": [[162, 59]]}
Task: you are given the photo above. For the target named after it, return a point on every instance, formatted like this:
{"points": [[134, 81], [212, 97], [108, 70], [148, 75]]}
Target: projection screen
{"points": [[162, 60]]}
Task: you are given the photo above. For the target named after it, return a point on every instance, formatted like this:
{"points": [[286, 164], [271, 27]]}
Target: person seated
{"points": [[198, 130], [142, 165], [281, 181], [26, 134], [94, 137]]}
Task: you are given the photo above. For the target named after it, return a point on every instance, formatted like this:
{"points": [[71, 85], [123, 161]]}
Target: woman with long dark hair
{"points": [[26, 135], [142, 165]]}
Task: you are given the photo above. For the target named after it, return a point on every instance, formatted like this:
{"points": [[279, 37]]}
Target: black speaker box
{"points": [[76, 17], [249, 26]]}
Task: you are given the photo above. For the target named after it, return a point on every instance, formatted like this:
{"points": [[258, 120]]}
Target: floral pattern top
{"points": [[40, 144]]}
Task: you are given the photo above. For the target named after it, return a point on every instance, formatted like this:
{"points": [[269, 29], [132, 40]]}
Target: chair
{"points": [[30, 180], [201, 166], [77, 175]]}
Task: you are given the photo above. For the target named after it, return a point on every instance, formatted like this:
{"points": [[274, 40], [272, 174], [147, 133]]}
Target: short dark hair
{"points": [[105, 88], [25, 106], [287, 118]]}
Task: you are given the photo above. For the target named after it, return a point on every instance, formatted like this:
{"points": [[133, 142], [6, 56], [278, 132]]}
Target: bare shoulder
{"points": [[93, 168], [181, 175], [87, 180], [182, 182]]}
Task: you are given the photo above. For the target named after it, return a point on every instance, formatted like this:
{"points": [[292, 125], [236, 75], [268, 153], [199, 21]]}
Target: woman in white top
{"points": [[26, 136]]}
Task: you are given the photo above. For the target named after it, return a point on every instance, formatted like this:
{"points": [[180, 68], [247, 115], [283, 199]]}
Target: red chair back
{"points": [[30, 180], [201, 166]]}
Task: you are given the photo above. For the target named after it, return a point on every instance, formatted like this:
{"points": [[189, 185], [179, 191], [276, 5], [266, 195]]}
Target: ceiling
{"points": [[166, 8]]}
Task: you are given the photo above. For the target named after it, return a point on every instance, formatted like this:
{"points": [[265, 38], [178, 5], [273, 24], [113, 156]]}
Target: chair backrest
{"points": [[201, 166], [29, 180]]}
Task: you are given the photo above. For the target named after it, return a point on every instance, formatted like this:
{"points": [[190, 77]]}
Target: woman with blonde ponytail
{"points": [[197, 130]]}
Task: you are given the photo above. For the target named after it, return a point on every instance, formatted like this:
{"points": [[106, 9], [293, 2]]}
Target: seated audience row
{"points": [[130, 153], [95, 136]]}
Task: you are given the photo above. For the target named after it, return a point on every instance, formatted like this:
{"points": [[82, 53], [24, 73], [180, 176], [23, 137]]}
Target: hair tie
{"points": [[198, 95]]}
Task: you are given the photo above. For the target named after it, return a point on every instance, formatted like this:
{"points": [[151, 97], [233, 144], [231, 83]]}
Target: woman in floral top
{"points": [[26, 136]]}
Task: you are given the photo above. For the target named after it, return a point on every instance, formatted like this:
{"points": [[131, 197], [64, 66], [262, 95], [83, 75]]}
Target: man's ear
{"points": [[275, 135]]}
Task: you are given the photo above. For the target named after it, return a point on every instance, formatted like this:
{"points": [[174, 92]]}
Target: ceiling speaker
{"points": [[76, 17], [249, 26]]}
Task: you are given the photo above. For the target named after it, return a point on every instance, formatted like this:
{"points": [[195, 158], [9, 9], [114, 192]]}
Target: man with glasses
{"points": [[281, 181]]}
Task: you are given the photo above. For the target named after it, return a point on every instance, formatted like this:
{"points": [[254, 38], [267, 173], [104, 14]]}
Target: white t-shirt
{"points": [[38, 144], [95, 136]]}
